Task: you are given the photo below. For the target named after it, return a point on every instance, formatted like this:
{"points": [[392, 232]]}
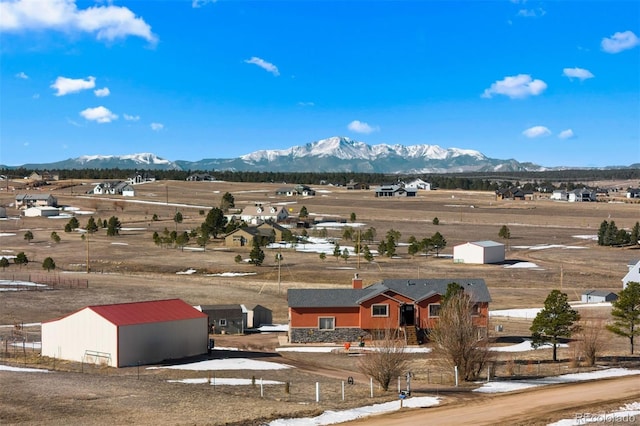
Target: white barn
{"points": [[479, 252], [127, 334], [41, 211]]}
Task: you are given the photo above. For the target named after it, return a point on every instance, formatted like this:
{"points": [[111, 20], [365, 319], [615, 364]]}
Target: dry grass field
{"points": [[130, 267]]}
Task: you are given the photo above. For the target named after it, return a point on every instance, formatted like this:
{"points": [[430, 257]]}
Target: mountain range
{"points": [[335, 154]]}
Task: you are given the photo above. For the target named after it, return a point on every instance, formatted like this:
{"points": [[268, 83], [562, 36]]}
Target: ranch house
{"points": [[24, 201], [395, 191], [409, 305]]}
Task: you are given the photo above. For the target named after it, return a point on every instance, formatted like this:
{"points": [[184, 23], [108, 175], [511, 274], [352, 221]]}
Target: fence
{"points": [[39, 281]]}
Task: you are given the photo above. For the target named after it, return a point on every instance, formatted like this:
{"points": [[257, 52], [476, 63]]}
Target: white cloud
{"points": [[65, 85], [156, 127], [620, 41], [536, 132], [106, 22], [532, 13], [131, 117], [361, 127], [580, 73], [267, 66], [101, 93], [519, 86], [199, 3], [22, 75], [99, 114], [566, 134], [306, 104]]}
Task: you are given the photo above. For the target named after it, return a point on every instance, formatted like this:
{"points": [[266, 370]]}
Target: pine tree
{"points": [[555, 320], [626, 313], [48, 264], [256, 256]]}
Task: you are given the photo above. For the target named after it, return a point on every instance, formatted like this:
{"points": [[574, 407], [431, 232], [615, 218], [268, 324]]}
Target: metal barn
{"points": [[127, 334]]}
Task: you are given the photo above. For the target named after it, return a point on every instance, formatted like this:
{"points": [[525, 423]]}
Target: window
{"points": [[380, 310], [434, 310], [475, 309], [326, 323], [222, 323]]}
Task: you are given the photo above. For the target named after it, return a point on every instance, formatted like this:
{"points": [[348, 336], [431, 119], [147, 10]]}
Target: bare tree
{"points": [[591, 341], [386, 360], [456, 338]]}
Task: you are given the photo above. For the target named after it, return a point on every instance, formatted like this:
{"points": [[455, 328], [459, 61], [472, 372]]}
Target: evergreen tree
{"points": [[323, 256], [555, 320], [92, 226], [228, 201], [602, 233], [634, 237], [336, 251], [438, 242], [113, 226], [214, 223], [55, 237], [626, 313], [436, 221], [48, 264], [4, 262], [28, 236], [352, 217], [504, 232], [256, 256], [21, 259], [304, 213], [345, 254], [368, 256]]}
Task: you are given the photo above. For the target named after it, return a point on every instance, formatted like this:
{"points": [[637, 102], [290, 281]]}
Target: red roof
{"points": [[147, 312]]}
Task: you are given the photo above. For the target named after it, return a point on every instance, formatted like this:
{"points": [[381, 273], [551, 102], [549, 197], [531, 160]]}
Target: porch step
{"points": [[411, 335]]}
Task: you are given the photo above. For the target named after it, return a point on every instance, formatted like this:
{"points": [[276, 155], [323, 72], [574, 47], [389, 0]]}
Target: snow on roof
{"points": [[486, 243], [147, 312]]}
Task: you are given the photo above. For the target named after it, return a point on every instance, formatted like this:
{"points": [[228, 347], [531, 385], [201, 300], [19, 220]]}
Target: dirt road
{"points": [[539, 406]]}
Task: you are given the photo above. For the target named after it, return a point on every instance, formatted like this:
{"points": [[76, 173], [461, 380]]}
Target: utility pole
{"points": [[279, 260], [87, 238]]}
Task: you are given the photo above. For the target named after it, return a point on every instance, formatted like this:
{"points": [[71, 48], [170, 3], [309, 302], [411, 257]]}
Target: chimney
{"points": [[357, 282]]}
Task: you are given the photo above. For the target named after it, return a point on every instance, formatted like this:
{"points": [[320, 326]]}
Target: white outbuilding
{"points": [[479, 252], [41, 211], [127, 334]]}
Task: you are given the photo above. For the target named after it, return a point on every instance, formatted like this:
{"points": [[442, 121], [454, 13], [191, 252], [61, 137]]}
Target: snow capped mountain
{"points": [[335, 154], [347, 149], [142, 158]]}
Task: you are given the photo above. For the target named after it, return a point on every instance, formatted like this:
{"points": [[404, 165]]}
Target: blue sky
{"points": [[555, 83]]}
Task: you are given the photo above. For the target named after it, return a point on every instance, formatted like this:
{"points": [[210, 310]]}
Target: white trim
{"points": [[386, 308], [333, 320]]}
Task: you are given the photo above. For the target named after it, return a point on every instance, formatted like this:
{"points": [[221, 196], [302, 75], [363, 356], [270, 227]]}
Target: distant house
{"points": [[597, 296], [633, 275], [559, 195], [278, 231], [479, 252], [298, 190], [418, 184], [127, 334], [200, 177], [24, 201], [410, 305], [113, 188], [139, 178], [633, 193], [513, 193], [225, 319], [394, 190], [581, 195], [352, 185], [43, 176], [259, 213], [41, 211]]}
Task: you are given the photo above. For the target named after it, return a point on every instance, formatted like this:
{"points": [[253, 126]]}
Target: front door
{"points": [[407, 315]]}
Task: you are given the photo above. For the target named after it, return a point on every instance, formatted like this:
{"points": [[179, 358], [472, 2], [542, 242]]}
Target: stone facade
{"points": [[313, 335]]}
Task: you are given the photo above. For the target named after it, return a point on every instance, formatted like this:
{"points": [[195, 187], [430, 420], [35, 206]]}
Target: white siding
{"points": [[69, 337], [474, 253]]}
